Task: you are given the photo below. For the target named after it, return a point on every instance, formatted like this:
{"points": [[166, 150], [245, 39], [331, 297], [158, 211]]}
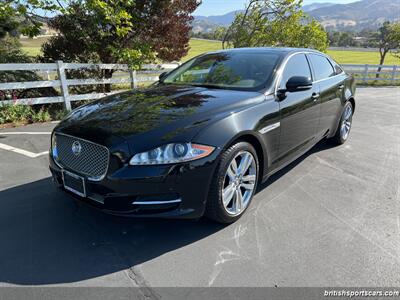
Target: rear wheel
{"points": [[344, 127], [234, 183]]}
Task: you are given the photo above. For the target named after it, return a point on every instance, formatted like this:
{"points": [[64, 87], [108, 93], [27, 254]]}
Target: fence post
{"points": [[133, 75], [64, 84], [394, 72], [366, 73]]}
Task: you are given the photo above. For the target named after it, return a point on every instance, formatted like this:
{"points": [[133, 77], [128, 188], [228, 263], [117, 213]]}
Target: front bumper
{"points": [[170, 191]]}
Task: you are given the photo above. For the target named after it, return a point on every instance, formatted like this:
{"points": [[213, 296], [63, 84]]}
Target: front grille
{"points": [[92, 159]]}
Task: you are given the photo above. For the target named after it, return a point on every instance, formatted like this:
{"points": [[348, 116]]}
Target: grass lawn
{"points": [[344, 57], [32, 47], [359, 57], [199, 46]]}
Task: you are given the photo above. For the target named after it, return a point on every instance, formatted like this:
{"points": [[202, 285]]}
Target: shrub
{"points": [[15, 114], [23, 114], [41, 116], [60, 114]]}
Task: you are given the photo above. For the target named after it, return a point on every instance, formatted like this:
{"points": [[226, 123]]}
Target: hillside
{"points": [[207, 24], [358, 15], [364, 14], [225, 19]]}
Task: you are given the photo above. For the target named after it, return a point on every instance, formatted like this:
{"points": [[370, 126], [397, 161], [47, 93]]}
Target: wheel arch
{"points": [[261, 151], [353, 103]]}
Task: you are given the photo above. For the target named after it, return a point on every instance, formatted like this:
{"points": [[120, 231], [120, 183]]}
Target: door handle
{"points": [[341, 87], [315, 96]]}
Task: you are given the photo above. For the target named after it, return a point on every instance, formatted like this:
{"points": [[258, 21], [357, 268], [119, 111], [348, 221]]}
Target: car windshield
{"points": [[233, 70]]}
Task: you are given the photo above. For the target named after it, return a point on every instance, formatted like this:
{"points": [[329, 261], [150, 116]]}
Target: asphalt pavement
{"points": [[331, 218]]}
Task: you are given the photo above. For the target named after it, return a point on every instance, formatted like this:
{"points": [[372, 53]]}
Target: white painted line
{"points": [[42, 153], [25, 132], [22, 151]]}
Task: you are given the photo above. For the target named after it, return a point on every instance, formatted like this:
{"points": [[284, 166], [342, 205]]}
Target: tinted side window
{"points": [[322, 67], [338, 69], [296, 66]]}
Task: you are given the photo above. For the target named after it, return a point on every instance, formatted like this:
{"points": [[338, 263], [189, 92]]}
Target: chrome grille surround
{"points": [[92, 161]]}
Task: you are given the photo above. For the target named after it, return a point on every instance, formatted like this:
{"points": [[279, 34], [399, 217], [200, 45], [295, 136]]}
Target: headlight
{"points": [[54, 152], [171, 153]]}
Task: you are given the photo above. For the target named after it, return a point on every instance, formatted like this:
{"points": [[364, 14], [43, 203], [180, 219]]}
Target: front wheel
{"points": [[344, 127], [234, 183]]}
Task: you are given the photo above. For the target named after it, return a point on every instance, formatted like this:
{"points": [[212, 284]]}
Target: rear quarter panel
{"points": [[350, 90], [348, 93]]}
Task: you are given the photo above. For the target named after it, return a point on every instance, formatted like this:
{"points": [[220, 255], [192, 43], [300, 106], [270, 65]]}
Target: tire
{"points": [[225, 179], [344, 126]]}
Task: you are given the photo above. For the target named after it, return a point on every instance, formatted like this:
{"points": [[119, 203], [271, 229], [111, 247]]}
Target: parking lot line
{"points": [[22, 151], [25, 132]]}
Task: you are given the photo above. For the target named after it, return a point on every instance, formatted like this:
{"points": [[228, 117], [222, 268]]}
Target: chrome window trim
{"points": [[88, 178], [283, 66]]}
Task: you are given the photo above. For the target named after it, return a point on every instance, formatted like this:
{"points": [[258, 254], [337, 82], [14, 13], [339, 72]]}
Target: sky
{"points": [[220, 7]]}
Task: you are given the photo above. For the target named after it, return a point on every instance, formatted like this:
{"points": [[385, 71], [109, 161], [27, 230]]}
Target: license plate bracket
{"points": [[74, 183]]}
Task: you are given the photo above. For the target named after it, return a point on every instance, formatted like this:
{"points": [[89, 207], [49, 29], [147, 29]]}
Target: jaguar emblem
{"points": [[76, 148]]}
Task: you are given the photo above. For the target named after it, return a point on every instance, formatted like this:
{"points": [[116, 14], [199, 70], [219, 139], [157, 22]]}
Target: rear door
{"points": [[299, 111], [330, 81]]}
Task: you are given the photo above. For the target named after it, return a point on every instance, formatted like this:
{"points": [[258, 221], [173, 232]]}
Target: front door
{"points": [[299, 111]]}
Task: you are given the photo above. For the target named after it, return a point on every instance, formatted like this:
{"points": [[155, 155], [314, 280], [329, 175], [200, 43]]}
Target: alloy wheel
{"points": [[346, 122], [239, 183]]}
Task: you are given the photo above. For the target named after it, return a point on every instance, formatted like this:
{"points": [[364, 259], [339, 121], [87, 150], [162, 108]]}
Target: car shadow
{"points": [[46, 238]]}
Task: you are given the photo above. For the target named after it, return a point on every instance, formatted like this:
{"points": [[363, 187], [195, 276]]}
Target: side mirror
{"points": [[298, 83], [163, 75]]}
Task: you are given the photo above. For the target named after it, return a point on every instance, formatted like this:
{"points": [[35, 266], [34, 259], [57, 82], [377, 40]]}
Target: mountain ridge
{"points": [[364, 14], [314, 6], [355, 16]]}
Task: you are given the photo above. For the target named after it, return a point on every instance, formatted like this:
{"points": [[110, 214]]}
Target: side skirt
{"points": [[265, 177]]}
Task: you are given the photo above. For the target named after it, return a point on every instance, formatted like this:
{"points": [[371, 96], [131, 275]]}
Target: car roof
{"points": [[280, 50]]}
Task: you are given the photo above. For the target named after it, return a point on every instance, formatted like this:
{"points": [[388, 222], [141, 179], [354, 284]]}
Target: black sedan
{"points": [[200, 140]]}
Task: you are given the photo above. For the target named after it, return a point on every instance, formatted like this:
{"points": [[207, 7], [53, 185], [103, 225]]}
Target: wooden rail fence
{"points": [[367, 73], [124, 75]]}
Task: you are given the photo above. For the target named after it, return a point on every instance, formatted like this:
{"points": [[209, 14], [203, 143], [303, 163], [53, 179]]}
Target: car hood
{"points": [[159, 114]]}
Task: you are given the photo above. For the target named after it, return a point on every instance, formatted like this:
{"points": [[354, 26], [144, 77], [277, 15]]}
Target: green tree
{"points": [[334, 38], [219, 33], [341, 39], [275, 23], [19, 16], [127, 31], [10, 52], [346, 39], [7, 22], [388, 41]]}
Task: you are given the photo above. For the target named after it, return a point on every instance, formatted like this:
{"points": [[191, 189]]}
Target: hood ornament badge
{"points": [[76, 148]]}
